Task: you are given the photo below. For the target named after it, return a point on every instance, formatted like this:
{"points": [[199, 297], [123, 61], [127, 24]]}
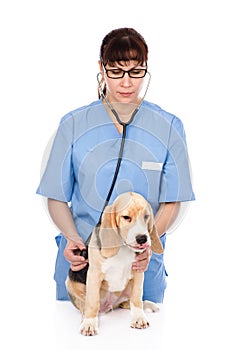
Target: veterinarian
{"points": [[85, 152]]}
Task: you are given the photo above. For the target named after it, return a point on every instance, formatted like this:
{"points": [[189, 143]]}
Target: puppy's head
{"points": [[129, 221]]}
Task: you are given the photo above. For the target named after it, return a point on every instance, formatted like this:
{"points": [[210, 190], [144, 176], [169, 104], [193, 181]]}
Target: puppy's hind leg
{"points": [[124, 305], [149, 306], [77, 294]]}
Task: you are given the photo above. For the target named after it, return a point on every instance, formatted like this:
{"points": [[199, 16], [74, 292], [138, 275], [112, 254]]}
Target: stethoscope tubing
{"points": [[113, 109]]}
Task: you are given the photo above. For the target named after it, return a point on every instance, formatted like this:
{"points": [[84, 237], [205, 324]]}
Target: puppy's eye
{"points": [[127, 218], [146, 217]]}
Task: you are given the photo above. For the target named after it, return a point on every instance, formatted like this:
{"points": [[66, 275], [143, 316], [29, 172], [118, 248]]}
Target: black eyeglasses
{"points": [[118, 73]]}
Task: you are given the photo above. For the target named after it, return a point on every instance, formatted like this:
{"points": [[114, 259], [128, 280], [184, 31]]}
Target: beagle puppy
{"points": [[127, 228]]}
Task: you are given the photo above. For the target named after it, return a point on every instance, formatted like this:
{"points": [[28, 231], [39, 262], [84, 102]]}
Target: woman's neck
{"points": [[123, 110]]}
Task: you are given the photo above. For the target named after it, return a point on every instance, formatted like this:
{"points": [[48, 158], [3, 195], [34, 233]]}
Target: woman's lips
{"points": [[125, 94]]}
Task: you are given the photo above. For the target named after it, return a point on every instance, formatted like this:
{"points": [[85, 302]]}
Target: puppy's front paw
{"points": [[139, 321], [89, 326]]}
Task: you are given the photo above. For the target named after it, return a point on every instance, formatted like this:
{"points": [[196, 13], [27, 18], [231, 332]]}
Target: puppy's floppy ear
{"points": [[156, 244], [108, 233]]}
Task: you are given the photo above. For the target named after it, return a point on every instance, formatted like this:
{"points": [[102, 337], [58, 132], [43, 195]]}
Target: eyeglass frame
{"points": [[125, 71]]}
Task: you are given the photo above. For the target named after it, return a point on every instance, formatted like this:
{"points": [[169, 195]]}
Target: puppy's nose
{"points": [[141, 239]]}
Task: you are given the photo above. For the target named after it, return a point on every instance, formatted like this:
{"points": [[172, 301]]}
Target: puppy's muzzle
{"points": [[141, 239]]}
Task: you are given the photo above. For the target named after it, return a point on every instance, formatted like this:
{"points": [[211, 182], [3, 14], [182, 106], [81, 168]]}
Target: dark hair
{"points": [[123, 44]]}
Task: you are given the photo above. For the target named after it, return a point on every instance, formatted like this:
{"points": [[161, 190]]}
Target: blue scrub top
{"points": [[84, 155]]}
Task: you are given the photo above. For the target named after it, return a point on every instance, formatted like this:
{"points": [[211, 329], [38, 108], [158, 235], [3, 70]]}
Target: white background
{"points": [[49, 53]]}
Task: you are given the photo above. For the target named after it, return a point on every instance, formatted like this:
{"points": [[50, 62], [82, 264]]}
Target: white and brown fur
{"points": [[127, 228]]}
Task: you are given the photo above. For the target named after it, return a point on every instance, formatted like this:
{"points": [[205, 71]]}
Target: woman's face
{"points": [[125, 89]]}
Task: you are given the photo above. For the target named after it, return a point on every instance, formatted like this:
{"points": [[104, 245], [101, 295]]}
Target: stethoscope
{"points": [[124, 128], [120, 155], [113, 109]]}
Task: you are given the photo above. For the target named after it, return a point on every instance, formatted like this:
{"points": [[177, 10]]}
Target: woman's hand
{"points": [[76, 261], [142, 261]]}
